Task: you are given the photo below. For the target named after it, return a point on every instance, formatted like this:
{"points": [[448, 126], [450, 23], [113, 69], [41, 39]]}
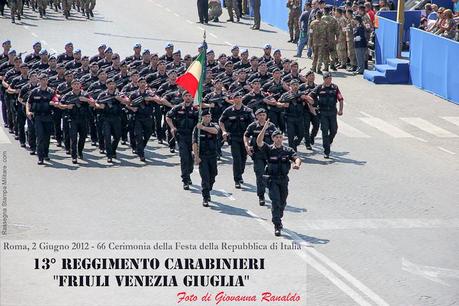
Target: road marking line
{"points": [[400, 223], [189, 21], [447, 151], [453, 120], [33, 34], [386, 128], [213, 35], [307, 255], [430, 272], [201, 28], [337, 269], [420, 139], [366, 114], [176, 14], [229, 44], [428, 127], [227, 194], [3, 137], [350, 131]]}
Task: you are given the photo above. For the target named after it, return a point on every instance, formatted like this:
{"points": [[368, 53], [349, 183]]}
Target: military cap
{"points": [[260, 110], [69, 44], [52, 58], [111, 80], [253, 58], [276, 133], [134, 71], [43, 52], [184, 93], [36, 43], [294, 64], [94, 64], [168, 45], [205, 112], [43, 76], [309, 73], [277, 50], [229, 63], [142, 79], [12, 52], [146, 51], [244, 51], [209, 51], [326, 74], [77, 51], [254, 81], [234, 48], [154, 54], [68, 72], [171, 72], [294, 81], [74, 81], [339, 10], [23, 66], [328, 8], [321, 1], [187, 57], [237, 94], [85, 57], [286, 61], [108, 50], [200, 46], [221, 55], [178, 51], [276, 70], [267, 46], [103, 46], [100, 72], [6, 42], [162, 63], [137, 46], [115, 56], [319, 13], [60, 67]]}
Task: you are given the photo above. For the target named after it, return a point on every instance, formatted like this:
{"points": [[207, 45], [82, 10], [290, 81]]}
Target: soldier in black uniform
{"points": [[33, 57], [6, 63], [136, 56], [262, 75], [233, 123], [11, 74], [142, 104], [76, 104], [326, 96], [94, 90], [67, 56], [279, 159], [293, 102], [275, 89], [39, 106], [256, 98], [258, 157], [244, 62], [127, 115], [110, 103], [167, 57], [100, 56], [311, 118], [205, 142], [182, 119], [62, 90], [42, 64], [23, 98]]}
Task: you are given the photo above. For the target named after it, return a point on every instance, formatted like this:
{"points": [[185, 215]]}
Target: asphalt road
{"points": [[379, 221]]}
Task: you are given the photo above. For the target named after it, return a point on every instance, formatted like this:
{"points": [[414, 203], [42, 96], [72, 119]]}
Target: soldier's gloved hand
{"points": [[225, 136], [249, 150]]}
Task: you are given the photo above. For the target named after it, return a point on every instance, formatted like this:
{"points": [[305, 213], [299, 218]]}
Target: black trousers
{"points": [[203, 11], [208, 171], [295, 131], [239, 155], [112, 134], [278, 192], [186, 158], [92, 126], [143, 128], [158, 116], [20, 122], [124, 126], [309, 135], [78, 129], [57, 123], [100, 131], [131, 133], [329, 127], [31, 135], [256, 13], [43, 130], [10, 110], [277, 118], [259, 166], [4, 106], [66, 132], [169, 137]]}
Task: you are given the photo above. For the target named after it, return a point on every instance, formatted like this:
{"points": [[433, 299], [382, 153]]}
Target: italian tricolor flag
{"points": [[194, 77]]}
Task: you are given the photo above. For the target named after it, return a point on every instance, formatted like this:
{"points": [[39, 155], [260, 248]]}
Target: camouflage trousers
{"points": [[341, 49], [351, 53], [294, 26]]}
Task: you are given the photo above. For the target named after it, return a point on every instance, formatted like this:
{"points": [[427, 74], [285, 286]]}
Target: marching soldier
{"points": [[258, 157], [233, 123], [326, 96], [205, 139], [39, 106], [279, 160], [23, 98], [310, 115], [182, 119]]}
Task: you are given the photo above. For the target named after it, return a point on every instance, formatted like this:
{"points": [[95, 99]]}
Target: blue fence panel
{"points": [[443, 3], [433, 64], [412, 18], [386, 40], [275, 13]]}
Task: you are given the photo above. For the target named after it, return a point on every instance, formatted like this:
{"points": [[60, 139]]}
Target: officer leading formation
{"points": [[249, 102]]}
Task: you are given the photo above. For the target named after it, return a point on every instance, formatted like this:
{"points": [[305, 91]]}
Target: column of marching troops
{"points": [[248, 103], [85, 7]]}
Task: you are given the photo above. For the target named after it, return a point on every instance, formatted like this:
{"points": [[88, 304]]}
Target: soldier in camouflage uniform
{"points": [[350, 41], [318, 41], [42, 4], [15, 8], [66, 7], [232, 5], [332, 37], [294, 14], [341, 46]]}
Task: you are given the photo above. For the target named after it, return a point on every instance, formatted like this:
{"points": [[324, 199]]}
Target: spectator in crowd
{"points": [[369, 10], [439, 21], [448, 27], [427, 10], [423, 24], [360, 44], [304, 25], [433, 15], [456, 7], [384, 5]]}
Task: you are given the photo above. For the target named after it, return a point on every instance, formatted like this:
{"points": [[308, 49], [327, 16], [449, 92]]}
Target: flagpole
{"points": [[200, 88]]}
